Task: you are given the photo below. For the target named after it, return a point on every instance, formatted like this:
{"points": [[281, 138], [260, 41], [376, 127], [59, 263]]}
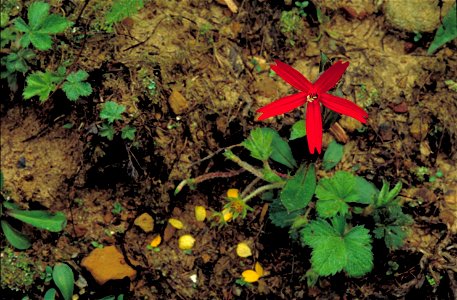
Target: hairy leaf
{"points": [[75, 87], [259, 143], [299, 190], [112, 111]]}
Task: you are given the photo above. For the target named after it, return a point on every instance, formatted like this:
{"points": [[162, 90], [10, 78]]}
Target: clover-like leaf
{"points": [[112, 111], [75, 87]]}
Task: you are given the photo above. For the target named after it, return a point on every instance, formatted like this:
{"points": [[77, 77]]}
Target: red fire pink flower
{"points": [[312, 94]]}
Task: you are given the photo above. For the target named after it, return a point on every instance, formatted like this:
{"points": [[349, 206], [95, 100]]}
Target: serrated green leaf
{"points": [[359, 254], [128, 132], [64, 279], [41, 219], [74, 87], [40, 84], [334, 193], [299, 190], [112, 111], [366, 190], [54, 24], [16, 238], [391, 225], [50, 294], [259, 143], [446, 32], [37, 13], [41, 41], [122, 9], [298, 130], [107, 131], [334, 252], [20, 25], [333, 155], [281, 151], [279, 215]]}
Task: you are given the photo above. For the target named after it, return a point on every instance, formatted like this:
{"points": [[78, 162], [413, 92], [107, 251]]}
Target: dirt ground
{"points": [[211, 69]]}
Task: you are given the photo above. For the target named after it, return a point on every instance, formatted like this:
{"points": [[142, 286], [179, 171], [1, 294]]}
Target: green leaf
{"points": [[2, 181], [391, 225], [280, 216], [298, 130], [40, 84], [281, 151], [386, 195], [446, 32], [333, 155], [36, 14], [74, 87], [122, 9], [128, 132], [359, 253], [259, 143], [270, 176], [64, 279], [16, 238], [41, 219], [333, 252], [40, 26], [107, 131], [365, 190], [54, 24], [112, 111], [299, 190], [50, 294], [334, 193]]}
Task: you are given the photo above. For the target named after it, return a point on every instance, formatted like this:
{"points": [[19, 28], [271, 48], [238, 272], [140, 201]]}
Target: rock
{"points": [[415, 15], [145, 222], [107, 264], [178, 103]]}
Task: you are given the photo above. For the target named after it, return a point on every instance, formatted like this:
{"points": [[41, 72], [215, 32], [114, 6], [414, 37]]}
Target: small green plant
{"points": [[63, 278], [41, 26], [18, 272], [111, 113], [291, 25], [301, 8], [121, 10]]}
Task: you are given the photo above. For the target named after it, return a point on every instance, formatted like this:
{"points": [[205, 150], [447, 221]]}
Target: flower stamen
{"points": [[311, 97]]}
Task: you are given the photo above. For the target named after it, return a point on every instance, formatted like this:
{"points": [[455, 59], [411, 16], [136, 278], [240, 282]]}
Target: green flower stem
{"points": [[229, 154], [264, 188]]}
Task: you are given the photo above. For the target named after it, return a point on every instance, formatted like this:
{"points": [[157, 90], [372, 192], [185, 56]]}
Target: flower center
{"points": [[311, 97]]}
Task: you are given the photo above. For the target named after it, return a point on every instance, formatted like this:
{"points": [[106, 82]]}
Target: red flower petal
{"points": [[291, 76], [343, 106], [282, 105], [314, 126], [330, 77]]}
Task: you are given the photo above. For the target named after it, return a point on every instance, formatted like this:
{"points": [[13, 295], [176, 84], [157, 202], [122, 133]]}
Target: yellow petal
{"points": [[232, 193], [176, 223], [227, 214], [200, 213], [243, 250], [156, 241], [259, 269], [186, 242], [250, 276]]}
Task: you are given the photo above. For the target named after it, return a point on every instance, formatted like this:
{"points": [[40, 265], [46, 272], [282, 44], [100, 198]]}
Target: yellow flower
{"points": [[259, 269], [253, 275], [186, 242], [232, 193], [200, 213], [176, 223], [227, 214], [243, 250], [156, 241], [250, 276]]}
